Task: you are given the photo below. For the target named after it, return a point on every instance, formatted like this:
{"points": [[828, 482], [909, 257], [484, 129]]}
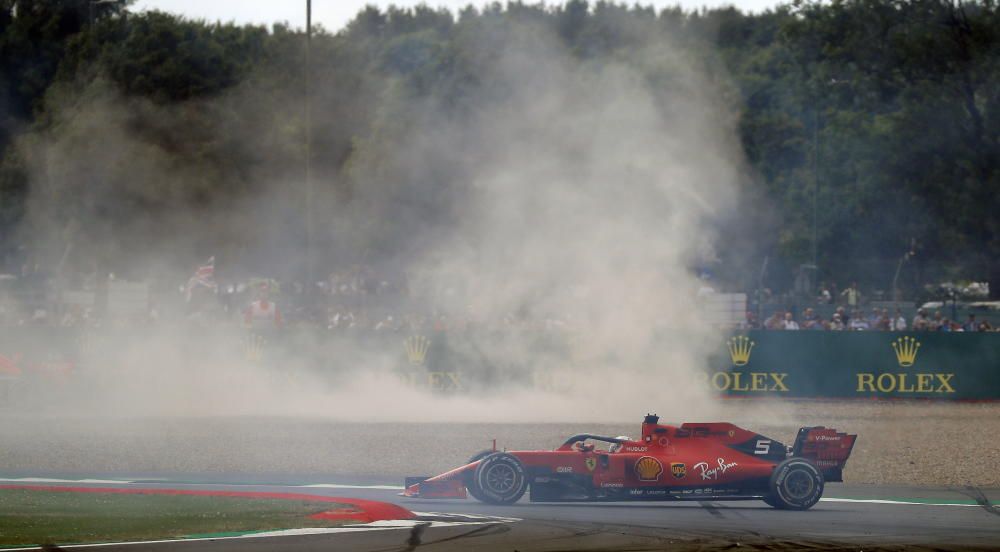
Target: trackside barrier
{"points": [[793, 364], [931, 365]]}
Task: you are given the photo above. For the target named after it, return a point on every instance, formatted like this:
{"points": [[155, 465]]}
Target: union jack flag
{"points": [[8, 366], [202, 277]]}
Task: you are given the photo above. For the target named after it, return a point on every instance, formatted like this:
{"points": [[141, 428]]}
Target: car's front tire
{"points": [[480, 455], [796, 484], [500, 478], [470, 478]]}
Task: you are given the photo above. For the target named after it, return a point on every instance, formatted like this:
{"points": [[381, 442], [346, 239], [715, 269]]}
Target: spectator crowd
{"points": [[360, 299], [851, 316], [857, 320]]}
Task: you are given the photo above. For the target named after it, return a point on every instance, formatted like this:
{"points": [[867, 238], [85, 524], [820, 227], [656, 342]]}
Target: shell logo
{"points": [[648, 468]]}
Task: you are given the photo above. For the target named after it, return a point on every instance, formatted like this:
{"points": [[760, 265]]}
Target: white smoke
{"points": [[564, 195]]}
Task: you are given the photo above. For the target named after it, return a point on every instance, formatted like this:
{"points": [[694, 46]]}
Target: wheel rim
{"points": [[501, 478], [799, 484]]}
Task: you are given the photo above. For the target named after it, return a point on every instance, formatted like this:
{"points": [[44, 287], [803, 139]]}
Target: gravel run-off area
{"points": [[900, 443]]}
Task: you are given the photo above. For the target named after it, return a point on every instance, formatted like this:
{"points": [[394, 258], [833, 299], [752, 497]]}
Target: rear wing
{"points": [[828, 449]]}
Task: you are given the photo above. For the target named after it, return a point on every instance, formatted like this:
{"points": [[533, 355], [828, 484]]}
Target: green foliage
{"points": [[887, 110]]}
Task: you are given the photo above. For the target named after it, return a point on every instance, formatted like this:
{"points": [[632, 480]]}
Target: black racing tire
{"points": [[500, 479], [470, 478], [480, 455], [796, 484]]}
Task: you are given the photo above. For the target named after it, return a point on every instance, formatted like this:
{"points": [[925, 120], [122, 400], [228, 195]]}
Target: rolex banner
{"points": [[932, 365], [793, 364]]}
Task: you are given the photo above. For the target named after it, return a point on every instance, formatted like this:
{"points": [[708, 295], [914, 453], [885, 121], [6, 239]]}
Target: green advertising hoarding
{"points": [[792, 364], [931, 365]]}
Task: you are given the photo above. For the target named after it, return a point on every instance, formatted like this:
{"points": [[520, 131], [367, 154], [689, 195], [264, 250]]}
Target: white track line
{"points": [[462, 518], [339, 486], [50, 480], [904, 502], [189, 484], [386, 525]]}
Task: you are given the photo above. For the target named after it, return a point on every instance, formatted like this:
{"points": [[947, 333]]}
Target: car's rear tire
{"points": [[500, 478], [796, 484]]}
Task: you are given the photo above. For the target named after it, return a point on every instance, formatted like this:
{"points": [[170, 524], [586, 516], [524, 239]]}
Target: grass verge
{"points": [[35, 517]]}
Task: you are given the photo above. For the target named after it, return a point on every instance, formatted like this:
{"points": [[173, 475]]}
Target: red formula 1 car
{"points": [[710, 461]]}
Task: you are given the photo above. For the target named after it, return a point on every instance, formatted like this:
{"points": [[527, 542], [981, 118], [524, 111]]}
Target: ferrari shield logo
{"points": [[678, 470], [591, 463]]}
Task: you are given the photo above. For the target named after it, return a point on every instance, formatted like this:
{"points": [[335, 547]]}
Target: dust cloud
{"points": [[562, 194]]}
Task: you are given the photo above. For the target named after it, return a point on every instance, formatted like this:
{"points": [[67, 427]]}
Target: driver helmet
{"points": [[615, 447]]}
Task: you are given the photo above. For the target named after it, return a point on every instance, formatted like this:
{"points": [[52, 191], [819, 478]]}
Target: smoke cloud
{"points": [[556, 194]]}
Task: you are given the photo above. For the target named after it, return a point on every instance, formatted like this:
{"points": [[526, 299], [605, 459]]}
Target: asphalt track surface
{"points": [[849, 518]]}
